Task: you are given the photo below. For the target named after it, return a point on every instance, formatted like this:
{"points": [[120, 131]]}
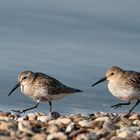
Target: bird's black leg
{"points": [[50, 104], [120, 104], [23, 111], [138, 101]]}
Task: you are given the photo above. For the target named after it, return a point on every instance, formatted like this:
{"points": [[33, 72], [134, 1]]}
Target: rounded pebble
{"points": [[44, 118], [58, 136]]}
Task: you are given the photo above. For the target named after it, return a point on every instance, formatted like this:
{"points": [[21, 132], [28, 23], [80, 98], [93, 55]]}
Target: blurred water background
{"points": [[74, 41]]}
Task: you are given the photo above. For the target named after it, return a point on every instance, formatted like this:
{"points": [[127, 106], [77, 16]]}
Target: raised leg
{"points": [[50, 104], [23, 111], [120, 104]]}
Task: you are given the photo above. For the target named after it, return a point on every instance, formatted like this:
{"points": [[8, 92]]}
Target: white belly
{"points": [[126, 94], [41, 94]]}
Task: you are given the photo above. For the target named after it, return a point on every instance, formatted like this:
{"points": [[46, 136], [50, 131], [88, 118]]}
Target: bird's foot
{"points": [[18, 111], [116, 106]]}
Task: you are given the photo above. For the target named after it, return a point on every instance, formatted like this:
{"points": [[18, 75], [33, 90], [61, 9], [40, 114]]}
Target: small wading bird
{"points": [[125, 85], [41, 88]]}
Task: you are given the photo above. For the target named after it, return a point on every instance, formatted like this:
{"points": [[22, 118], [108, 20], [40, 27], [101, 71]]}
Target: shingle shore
{"points": [[84, 126]]}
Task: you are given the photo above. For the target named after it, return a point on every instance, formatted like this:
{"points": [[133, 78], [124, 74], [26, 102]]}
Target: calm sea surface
{"points": [[74, 41]]}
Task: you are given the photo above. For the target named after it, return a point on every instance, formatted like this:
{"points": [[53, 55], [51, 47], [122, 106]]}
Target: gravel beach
{"points": [[84, 126]]}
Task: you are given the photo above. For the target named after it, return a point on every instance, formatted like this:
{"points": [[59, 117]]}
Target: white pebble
{"points": [[70, 127], [84, 123], [64, 121], [58, 136], [106, 119], [44, 118]]}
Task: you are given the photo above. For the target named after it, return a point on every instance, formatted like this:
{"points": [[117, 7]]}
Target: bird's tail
{"points": [[72, 90]]}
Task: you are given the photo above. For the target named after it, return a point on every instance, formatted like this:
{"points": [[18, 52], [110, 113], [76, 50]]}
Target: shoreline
{"points": [[40, 126]]}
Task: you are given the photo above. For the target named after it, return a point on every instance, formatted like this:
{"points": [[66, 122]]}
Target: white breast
{"points": [[122, 92]]}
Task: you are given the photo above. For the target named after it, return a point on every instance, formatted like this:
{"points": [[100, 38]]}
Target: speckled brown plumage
{"points": [[41, 87], [123, 84]]}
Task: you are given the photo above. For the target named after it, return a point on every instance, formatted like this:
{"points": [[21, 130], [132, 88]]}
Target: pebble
{"points": [[5, 125], [44, 118], [4, 118], [52, 129], [95, 124], [85, 114], [70, 127], [4, 114], [57, 136], [108, 126], [87, 136], [136, 122], [39, 137], [32, 116], [84, 123], [138, 133], [22, 118], [25, 126], [64, 121], [125, 133], [105, 119]]}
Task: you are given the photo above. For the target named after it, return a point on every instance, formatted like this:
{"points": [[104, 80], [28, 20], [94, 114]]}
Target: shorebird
{"points": [[41, 88], [124, 85]]}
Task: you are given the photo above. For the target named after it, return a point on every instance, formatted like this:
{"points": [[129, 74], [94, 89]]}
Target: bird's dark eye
{"points": [[24, 77], [112, 73]]}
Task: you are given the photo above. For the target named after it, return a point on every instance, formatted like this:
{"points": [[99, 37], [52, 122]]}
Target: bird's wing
{"points": [[53, 85]]}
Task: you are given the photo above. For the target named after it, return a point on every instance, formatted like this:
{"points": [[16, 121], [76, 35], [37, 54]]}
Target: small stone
{"points": [[44, 118], [51, 122], [116, 138], [108, 126], [25, 126], [39, 114], [39, 137], [100, 114], [136, 122], [82, 137], [134, 116], [52, 129], [76, 132], [134, 128], [106, 119], [64, 121], [4, 118], [95, 124], [70, 127], [101, 133], [87, 136], [84, 123], [4, 125], [138, 133], [31, 116], [125, 133], [5, 138], [77, 119], [22, 118], [92, 136], [4, 113], [86, 115], [58, 136]]}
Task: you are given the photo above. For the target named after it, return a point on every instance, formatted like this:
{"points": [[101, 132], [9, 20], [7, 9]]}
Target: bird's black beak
{"points": [[15, 87], [101, 80]]}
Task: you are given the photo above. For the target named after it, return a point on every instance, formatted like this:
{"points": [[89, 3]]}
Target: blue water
{"points": [[74, 41]]}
